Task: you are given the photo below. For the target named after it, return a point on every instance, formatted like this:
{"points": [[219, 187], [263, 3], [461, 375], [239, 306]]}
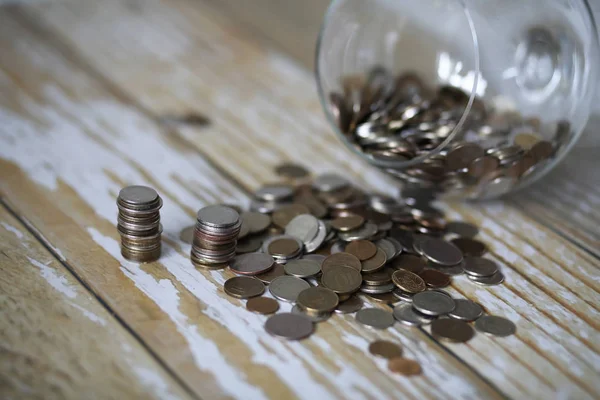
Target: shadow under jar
{"points": [[469, 98]]}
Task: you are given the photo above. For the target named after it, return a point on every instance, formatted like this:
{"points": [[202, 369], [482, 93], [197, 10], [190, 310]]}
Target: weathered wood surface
{"points": [[84, 94]]}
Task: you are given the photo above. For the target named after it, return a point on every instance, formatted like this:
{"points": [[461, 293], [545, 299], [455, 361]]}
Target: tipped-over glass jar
{"points": [[471, 98]]}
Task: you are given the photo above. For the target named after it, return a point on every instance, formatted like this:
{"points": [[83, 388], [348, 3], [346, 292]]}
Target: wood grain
{"points": [[57, 340]]}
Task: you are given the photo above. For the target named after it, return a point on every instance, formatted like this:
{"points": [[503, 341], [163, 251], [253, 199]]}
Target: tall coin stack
{"points": [[139, 223], [215, 236]]}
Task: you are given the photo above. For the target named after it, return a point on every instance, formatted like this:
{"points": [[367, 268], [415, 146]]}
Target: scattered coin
{"points": [[341, 279], [367, 231], [375, 318], [441, 252], [283, 247], [495, 326], [349, 306], [243, 287], [274, 192], [381, 277], [470, 247], [291, 171], [362, 249], [408, 282], [384, 298], [347, 223], [316, 318], [275, 272], [286, 213], [462, 229], [407, 315], [404, 366], [304, 227], [289, 326], [466, 310], [493, 280], [262, 305], [385, 349], [318, 300], [187, 234], [330, 183], [252, 263], [389, 249], [378, 289], [435, 279], [433, 303], [248, 245], [374, 263], [319, 258], [342, 258], [452, 330], [407, 297], [302, 268], [480, 267], [287, 288], [409, 262], [256, 222]]}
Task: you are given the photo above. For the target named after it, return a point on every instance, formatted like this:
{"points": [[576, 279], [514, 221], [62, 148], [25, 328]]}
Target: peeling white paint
{"points": [[55, 279], [13, 230]]}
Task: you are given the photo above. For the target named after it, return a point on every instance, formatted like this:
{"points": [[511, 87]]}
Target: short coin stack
{"points": [[138, 223], [215, 236]]}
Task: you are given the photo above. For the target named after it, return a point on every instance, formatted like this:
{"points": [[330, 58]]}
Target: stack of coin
{"points": [[139, 223], [215, 236]]}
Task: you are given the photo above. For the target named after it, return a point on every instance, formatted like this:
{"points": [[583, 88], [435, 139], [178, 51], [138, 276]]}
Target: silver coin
{"points": [[252, 263], [402, 295], [248, 245], [256, 222], [265, 207], [318, 240], [493, 280], [275, 192], [138, 195], [453, 270], [289, 326], [303, 227], [218, 216], [287, 288], [244, 231], [368, 230], [302, 268], [352, 305], [379, 289], [480, 267], [407, 315], [330, 183], [495, 326], [338, 247], [313, 317], [433, 303], [319, 258], [388, 248], [375, 318], [466, 310], [441, 252], [462, 229], [397, 245]]}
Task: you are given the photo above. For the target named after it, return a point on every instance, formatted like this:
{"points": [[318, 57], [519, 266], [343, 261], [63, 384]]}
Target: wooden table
{"points": [[88, 92]]}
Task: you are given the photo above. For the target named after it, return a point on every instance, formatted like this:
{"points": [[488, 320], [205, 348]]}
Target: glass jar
{"points": [[468, 98]]}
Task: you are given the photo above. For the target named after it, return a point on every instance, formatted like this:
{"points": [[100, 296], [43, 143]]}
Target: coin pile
{"points": [[393, 119], [215, 236], [138, 223]]}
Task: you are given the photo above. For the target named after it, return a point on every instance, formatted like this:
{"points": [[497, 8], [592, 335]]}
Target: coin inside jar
{"points": [[289, 326], [385, 349], [341, 279], [262, 305], [408, 282], [435, 279], [302, 268], [243, 287], [283, 247], [470, 247], [452, 330], [342, 258], [441, 252], [252, 263], [318, 300], [433, 303], [404, 366], [287, 288], [347, 223], [374, 263], [362, 249]]}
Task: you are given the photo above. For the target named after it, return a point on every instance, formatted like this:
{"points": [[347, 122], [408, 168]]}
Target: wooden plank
{"points": [[57, 340], [68, 145], [268, 95]]}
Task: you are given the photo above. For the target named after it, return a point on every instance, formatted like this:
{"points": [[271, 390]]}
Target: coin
{"points": [[375, 318], [283, 216], [291, 170], [408, 282], [362, 249], [407, 297], [441, 252], [470, 247], [385, 349], [461, 156], [318, 300], [330, 183], [248, 245], [274, 192], [409, 262], [316, 318], [349, 306], [283, 247], [374, 263], [138, 195], [318, 240], [462, 229], [367, 231], [381, 277], [289, 326], [480, 267], [433, 303], [275, 272], [303, 227], [407, 315], [379, 289], [452, 330], [493, 280], [287, 288], [319, 258], [347, 223], [341, 279], [187, 234], [218, 216], [262, 305], [466, 310], [302, 268], [252, 263], [435, 279], [495, 326], [243, 287], [388, 248], [342, 258], [404, 366], [255, 221]]}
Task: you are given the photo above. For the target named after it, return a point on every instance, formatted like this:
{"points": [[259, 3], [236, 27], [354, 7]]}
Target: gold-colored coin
{"points": [[317, 300], [285, 214], [243, 287], [341, 279], [342, 258], [283, 247], [262, 305], [404, 366], [408, 281], [362, 249], [374, 263], [347, 222], [385, 349]]}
